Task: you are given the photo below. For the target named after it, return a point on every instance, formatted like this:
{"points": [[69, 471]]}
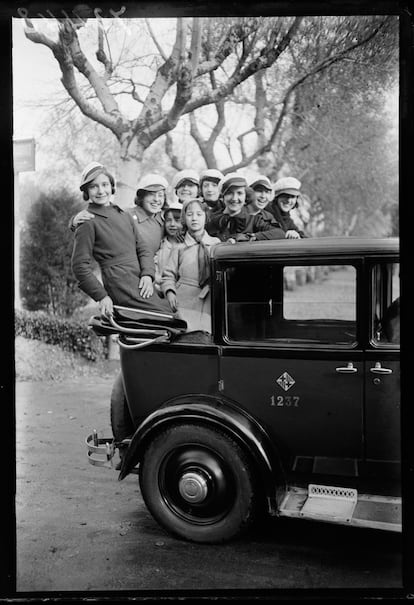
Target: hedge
{"points": [[70, 335]]}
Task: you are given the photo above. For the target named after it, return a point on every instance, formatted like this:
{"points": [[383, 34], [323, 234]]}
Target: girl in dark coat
{"points": [[287, 191], [150, 201], [125, 260], [210, 191], [260, 193], [234, 223]]}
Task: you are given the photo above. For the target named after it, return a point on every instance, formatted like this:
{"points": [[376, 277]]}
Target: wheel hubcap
{"points": [[193, 487]]}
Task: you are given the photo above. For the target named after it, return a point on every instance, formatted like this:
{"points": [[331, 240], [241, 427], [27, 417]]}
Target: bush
{"points": [[69, 334], [47, 282]]}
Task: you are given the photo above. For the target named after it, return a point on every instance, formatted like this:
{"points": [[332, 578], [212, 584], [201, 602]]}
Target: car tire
{"points": [[121, 421], [198, 484]]}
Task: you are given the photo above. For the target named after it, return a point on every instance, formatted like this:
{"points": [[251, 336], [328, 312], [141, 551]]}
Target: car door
{"points": [[382, 373], [293, 360]]}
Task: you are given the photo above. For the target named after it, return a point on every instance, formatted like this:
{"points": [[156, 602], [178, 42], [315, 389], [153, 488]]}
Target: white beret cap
{"points": [[233, 179], [211, 174], [185, 175], [287, 184], [152, 182], [262, 180], [90, 172]]}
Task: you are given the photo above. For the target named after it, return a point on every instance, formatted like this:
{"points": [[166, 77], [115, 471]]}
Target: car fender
{"points": [[215, 411]]}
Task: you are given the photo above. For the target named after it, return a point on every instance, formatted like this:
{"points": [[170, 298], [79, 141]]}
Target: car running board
{"points": [[341, 505]]}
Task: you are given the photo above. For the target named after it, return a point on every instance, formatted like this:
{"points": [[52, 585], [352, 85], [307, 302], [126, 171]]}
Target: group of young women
{"points": [[155, 255]]}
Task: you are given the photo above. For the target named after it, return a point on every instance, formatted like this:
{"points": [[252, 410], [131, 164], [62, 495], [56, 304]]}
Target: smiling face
{"points": [[210, 191], [234, 199], [186, 191], [262, 198], [195, 218], [100, 190], [153, 201], [286, 202], [172, 222]]}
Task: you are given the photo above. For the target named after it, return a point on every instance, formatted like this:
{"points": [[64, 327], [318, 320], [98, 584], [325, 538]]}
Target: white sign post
{"points": [[23, 161]]}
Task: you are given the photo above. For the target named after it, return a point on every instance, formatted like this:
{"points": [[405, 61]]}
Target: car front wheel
{"points": [[198, 484]]}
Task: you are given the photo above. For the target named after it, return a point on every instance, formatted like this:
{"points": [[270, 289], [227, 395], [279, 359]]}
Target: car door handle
{"points": [[348, 369], [378, 369]]}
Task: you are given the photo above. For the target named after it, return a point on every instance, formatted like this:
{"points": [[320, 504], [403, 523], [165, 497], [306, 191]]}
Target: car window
{"points": [[278, 303], [385, 309]]}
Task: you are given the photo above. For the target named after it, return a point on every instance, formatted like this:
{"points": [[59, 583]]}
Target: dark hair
{"points": [[189, 181], [176, 212], [84, 188], [277, 195], [250, 195], [140, 194]]}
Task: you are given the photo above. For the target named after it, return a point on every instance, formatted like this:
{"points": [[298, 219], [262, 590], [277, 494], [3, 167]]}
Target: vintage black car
{"points": [[291, 405]]}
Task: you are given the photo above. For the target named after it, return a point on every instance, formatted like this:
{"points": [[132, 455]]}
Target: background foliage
{"points": [[47, 281], [70, 335]]}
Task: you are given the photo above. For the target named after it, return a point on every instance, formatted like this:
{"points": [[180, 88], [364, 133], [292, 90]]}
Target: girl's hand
{"points": [[172, 299], [81, 217], [292, 234], [106, 306], [242, 237], [146, 288]]}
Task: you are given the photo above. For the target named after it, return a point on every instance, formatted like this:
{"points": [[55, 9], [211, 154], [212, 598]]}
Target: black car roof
{"points": [[324, 246]]}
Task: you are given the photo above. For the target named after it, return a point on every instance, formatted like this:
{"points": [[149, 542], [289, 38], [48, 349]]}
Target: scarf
{"points": [[203, 260]]}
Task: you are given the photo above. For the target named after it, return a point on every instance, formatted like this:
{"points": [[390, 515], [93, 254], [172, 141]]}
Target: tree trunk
{"points": [[128, 173]]}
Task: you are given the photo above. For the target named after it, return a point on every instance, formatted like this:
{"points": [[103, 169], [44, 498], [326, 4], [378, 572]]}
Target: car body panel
{"points": [[314, 400]]}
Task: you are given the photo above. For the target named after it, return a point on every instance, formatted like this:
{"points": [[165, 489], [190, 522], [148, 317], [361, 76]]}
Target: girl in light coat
{"points": [[172, 238], [185, 279]]}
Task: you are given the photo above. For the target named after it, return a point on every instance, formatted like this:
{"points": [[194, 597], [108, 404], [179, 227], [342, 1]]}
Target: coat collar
{"points": [[206, 239], [103, 210], [142, 216], [243, 212]]}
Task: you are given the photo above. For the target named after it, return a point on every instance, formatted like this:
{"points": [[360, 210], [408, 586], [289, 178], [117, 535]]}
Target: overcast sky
{"points": [[35, 74]]}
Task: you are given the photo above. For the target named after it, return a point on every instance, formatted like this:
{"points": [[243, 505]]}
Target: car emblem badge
{"points": [[285, 381]]}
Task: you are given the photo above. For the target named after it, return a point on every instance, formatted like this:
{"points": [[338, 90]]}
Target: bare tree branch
{"points": [[265, 59], [154, 39], [234, 36], [68, 53], [100, 53], [319, 67], [195, 47], [38, 37], [240, 138], [169, 150]]}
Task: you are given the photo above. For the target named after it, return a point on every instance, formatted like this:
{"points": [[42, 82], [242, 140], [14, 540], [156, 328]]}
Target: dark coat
{"points": [[112, 240], [283, 218], [264, 226], [150, 228]]}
